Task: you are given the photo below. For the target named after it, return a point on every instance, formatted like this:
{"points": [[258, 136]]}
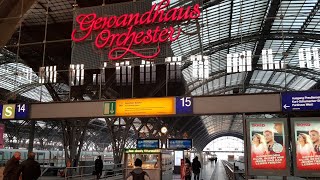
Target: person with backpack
{"points": [[138, 173], [196, 165], [187, 169]]}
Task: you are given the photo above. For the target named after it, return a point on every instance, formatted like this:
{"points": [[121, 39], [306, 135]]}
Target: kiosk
{"points": [[156, 162]]}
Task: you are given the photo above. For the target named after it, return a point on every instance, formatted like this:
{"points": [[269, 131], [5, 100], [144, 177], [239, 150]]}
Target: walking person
{"points": [[98, 166], [30, 168], [196, 165], [11, 171], [187, 169]]}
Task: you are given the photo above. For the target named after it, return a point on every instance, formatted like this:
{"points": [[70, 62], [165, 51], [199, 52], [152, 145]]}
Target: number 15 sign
{"points": [[184, 105]]}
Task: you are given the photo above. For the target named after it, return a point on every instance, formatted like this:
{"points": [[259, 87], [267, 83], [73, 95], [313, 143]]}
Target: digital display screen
{"points": [[148, 144], [180, 143]]}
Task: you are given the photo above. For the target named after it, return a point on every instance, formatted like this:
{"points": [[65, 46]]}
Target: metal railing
{"points": [[112, 171]]}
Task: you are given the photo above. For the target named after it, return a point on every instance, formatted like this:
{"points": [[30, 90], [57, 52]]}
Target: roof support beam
{"points": [[8, 25]]}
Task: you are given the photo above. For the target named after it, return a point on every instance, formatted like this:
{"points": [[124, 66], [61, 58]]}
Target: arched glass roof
{"points": [[224, 27]]}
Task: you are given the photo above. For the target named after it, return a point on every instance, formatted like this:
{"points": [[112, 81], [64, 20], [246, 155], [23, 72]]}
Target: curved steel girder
{"points": [[202, 144], [216, 46], [197, 126], [308, 73], [270, 87]]}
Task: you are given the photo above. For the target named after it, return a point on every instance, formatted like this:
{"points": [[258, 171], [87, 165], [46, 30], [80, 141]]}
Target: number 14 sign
{"points": [[184, 105], [14, 111]]}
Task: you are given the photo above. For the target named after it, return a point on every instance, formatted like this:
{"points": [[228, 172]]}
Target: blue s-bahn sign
{"points": [[300, 101]]}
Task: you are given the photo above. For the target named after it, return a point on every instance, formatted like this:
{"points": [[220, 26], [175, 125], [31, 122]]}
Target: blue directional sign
{"points": [[300, 101], [184, 105], [14, 111], [148, 143], [179, 143]]}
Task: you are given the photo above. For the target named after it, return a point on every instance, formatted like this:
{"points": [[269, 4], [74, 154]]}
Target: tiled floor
{"points": [[210, 171]]}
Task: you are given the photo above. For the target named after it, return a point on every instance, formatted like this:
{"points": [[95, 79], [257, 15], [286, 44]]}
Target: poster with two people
{"points": [[268, 147], [306, 142]]}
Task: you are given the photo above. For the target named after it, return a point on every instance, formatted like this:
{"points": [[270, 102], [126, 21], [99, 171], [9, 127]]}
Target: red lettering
{"points": [[303, 124], [195, 14], [163, 35], [97, 24], [121, 22], [139, 35], [112, 21], [258, 125], [124, 41]]}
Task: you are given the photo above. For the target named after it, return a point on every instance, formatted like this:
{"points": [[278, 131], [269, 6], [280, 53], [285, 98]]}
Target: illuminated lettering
{"points": [[124, 42]]}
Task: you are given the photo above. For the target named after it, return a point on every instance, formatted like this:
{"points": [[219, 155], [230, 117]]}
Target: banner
{"points": [[267, 141], [306, 142]]}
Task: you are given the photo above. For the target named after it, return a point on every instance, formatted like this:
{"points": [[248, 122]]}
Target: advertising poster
{"points": [[1, 136], [306, 142], [267, 141]]}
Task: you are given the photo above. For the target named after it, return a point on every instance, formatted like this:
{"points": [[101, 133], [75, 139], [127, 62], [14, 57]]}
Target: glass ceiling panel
{"points": [[295, 14], [11, 82]]}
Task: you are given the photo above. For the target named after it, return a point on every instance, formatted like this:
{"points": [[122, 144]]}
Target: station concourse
{"points": [[232, 85]]}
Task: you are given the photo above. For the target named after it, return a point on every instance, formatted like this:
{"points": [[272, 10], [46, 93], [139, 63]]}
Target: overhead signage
{"points": [[109, 108], [179, 143], [14, 111], [148, 144], [145, 107], [300, 101], [306, 146], [159, 14], [142, 151], [184, 105], [268, 147]]}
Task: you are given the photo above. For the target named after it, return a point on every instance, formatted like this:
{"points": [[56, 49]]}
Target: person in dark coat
{"points": [[11, 171], [30, 168], [196, 165], [98, 166]]}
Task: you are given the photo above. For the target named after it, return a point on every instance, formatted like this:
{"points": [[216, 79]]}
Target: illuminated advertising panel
{"points": [[306, 146], [267, 141]]}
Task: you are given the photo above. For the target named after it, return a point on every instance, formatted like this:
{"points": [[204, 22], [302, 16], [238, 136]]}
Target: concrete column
{"points": [[9, 24]]}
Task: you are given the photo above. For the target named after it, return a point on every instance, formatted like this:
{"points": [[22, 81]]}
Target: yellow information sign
{"points": [[145, 107]]}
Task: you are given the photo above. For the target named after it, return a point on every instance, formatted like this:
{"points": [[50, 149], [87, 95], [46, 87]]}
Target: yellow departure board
{"points": [[145, 107]]}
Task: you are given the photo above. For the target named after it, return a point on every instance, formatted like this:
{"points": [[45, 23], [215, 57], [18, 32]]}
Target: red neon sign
{"points": [[124, 41]]}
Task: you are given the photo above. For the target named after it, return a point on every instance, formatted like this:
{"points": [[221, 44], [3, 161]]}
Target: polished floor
{"points": [[210, 171]]}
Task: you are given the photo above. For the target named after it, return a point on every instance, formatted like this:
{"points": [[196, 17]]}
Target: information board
{"points": [[267, 147], [145, 107], [14, 111], [184, 105], [306, 146], [148, 143], [179, 143], [300, 101]]}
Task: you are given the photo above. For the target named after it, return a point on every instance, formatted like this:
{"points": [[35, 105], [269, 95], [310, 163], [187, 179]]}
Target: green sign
{"points": [[109, 108], [142, 151]]}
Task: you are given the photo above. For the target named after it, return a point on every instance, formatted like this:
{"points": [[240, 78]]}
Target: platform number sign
{"points": [[14, 111], [184, 105]]}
